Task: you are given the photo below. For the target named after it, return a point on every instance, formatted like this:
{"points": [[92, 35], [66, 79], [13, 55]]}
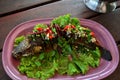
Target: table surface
{"points": [[14, 12]]}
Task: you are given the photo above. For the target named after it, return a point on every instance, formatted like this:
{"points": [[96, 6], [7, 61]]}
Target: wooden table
{"points": [[14, 12]]}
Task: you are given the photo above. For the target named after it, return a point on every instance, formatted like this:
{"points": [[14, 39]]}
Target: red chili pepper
{"points": [[50, 37], [92, 33], [39, 29], [66, 27], [73, 26], [48, 31]]}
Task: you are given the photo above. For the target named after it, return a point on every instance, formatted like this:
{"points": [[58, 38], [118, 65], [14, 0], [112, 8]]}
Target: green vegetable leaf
{"points": [[97, 62], [63, 65], [41, 56], [75, 22], [18, 40], [72, 69], [38, 63], [38, 74], [30, 74], [62, 21], [97, 52], [82, 66]]}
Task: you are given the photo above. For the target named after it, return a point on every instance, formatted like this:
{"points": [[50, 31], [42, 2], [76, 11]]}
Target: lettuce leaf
{"points": [[18, 40], [72, 69]]}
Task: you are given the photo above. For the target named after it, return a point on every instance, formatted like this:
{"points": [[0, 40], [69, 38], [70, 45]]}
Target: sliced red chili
{"points": [[50, 37], [48, 31], [66, 27], [73, 26], [92, 33], [39, 29]]}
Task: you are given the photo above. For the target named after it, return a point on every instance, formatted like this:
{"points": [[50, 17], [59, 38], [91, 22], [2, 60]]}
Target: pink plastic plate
{"points": [[105, 38]]}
